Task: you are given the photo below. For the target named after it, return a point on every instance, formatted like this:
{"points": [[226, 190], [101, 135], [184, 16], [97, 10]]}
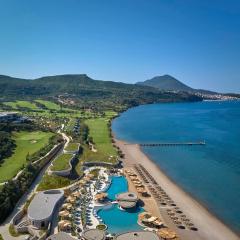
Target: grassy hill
{"points": [[86, 91], [169, 83], [166, 82]]}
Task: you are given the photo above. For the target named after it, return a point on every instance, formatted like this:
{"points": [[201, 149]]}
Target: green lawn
{"points": [[22, 104], [53, 182], [72, 146], [49, 105], [27, 142], [70, 125], [99, 131], [110, 114], [62, 162], [11, 104]]}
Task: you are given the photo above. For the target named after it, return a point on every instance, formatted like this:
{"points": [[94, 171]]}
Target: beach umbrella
{"points": [[64, 213], [82, 182], [177, 222], [167, 233], [76, 194], [158, 223]]}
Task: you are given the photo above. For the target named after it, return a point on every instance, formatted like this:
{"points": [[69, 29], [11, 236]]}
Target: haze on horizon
{"points": [[197, 42]]}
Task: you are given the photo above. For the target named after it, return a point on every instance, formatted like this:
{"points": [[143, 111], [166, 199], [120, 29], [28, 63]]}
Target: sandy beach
{"points": [[209, 227]]}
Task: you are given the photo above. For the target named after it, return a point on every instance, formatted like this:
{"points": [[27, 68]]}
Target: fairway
{"points": [[22, 104], [27, 142], [49, 105], [99, 131]]}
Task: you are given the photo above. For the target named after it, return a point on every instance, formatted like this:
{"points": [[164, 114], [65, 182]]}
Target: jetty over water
{"points": [[172, 144]]}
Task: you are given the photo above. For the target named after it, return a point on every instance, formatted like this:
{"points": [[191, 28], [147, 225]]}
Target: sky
{"points": [[196, 41]]}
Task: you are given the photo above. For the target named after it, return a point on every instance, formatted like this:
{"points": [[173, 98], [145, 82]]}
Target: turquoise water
{"points": [[118, 220], [209, 173], [119, 184]]}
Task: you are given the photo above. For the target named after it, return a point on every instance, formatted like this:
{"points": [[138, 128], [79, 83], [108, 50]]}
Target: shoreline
{"points": [[209, 226]]}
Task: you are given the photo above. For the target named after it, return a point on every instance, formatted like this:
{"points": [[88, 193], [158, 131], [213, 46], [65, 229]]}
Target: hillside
{"points": [[86, 91], [166, 82], [169, 83]]}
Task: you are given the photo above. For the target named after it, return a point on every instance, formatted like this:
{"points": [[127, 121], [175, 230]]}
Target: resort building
{"points": [[139, 235], [93, 234], [42, 207], [60, 236], [8, 116], [127, 200]]}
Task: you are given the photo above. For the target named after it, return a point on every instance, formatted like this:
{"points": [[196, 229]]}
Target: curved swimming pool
{"points": [[118, 220], [119, 184]]}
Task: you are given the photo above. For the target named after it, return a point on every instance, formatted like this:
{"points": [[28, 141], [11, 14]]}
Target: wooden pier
{"points": [[172, 144]]}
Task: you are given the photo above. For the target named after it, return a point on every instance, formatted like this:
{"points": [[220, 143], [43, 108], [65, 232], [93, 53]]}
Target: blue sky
{"points": [[197, 42]]}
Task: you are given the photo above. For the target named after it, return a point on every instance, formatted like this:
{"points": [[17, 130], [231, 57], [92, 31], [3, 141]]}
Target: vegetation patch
{"points": [[7, 145], [101, 227], [49, 105], [72, 146], [22, 104], [62, 162], [53, 182], [12, 231], [27, 143], [95, 172]]}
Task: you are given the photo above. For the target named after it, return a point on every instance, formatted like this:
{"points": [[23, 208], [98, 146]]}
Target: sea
{"points": [[210, 173]]}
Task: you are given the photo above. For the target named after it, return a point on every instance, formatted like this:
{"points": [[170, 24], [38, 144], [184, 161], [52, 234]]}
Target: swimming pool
{"points": [[118, 220], [119, 184]]}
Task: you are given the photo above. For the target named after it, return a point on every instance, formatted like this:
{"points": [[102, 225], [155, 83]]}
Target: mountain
{"points": [[86, 91], [167, 83]]}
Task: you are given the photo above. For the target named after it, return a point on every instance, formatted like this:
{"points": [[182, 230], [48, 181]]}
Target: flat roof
{"points": [[127, 196], [126, 204], [138, 235], [3, 114], [94, 234], [42, 205], [60, 236]]}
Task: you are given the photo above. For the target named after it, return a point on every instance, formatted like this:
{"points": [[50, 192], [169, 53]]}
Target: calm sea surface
{"points": [[210, 173]]}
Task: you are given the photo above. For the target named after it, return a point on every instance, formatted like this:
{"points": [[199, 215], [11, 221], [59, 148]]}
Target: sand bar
{"points": [[209, 227]]}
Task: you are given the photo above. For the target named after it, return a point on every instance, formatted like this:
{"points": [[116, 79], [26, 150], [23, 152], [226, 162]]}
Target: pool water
{"points": [[118, 185], [118, 220]]}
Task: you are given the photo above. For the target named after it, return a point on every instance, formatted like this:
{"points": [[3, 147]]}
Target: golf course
{"points": [[27, 143]]}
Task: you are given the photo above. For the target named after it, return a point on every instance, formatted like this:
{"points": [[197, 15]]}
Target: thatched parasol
{"points": [[91, 176], [64, 213], [144, 215], [64, 224], [82, 182], [158, 223], [101, 196], [76, 194], [71, 199], [167, 233]]}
